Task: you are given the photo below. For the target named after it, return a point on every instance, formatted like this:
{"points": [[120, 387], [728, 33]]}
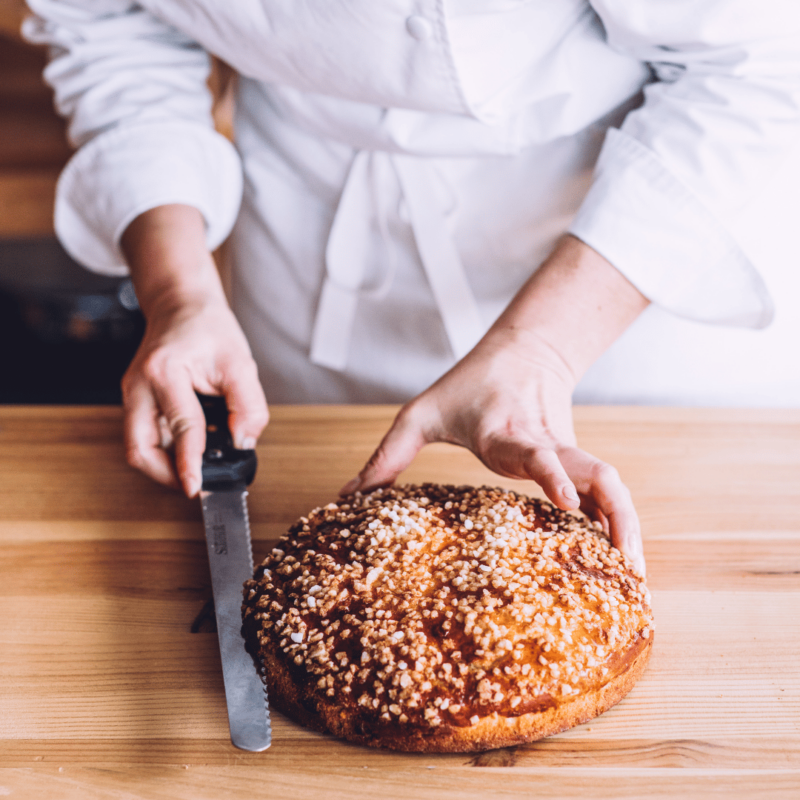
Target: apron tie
{"points": [[360, 215], [443, 268]]}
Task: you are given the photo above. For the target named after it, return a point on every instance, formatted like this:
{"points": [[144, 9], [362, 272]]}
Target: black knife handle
{"points": [[223, 465]]}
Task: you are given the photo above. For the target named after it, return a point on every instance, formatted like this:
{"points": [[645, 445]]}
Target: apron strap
{"points": [[443, 268], [351, 244], [346, 256]]}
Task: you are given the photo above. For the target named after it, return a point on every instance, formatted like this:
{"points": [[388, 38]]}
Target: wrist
{"points": [[178, 302], [532, 351], [170, 264], [572, 308]]}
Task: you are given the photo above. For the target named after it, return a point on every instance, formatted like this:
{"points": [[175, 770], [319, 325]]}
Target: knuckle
{"points": [[131, 380], [154, 367], [180, 425], [537, 452], [236, 366], [607, 479], [258, 418], [379, 460], [250, 367], [604, 474], [254, 410]]}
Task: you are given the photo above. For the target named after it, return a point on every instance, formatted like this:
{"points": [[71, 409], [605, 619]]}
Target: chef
{"points": [[480, 208]]}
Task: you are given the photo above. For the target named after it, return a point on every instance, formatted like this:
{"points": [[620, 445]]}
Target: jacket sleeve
{"points": [[718, 121], [134, 91]]}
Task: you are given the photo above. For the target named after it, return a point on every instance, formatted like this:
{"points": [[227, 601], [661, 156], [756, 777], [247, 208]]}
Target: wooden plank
{"points": [[586, 752], [12, 12], [33, 146], [27, 198], [305, 779], [112, 530]]}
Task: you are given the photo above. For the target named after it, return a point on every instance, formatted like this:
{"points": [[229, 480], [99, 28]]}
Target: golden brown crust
{"points": [[318, 713], [440, 619]]}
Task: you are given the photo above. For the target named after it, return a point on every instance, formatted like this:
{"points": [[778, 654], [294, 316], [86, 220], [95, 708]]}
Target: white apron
{"points": [[408, 163]]}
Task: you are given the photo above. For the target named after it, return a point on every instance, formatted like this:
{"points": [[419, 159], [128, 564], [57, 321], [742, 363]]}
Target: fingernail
{"points": [[570, 493], [352, 486], [248, 443]]}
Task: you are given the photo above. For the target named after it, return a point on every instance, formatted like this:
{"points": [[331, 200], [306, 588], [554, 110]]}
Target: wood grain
{"points": [[106, 693]]}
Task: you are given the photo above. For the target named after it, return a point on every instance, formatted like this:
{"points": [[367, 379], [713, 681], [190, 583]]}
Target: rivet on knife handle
{"points": [[226, 473]]}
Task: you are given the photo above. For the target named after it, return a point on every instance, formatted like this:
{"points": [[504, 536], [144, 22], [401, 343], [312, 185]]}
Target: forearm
{"points": [[573, 307], [169, 260]]}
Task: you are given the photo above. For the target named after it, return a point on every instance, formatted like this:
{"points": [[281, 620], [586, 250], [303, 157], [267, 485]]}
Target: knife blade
{"points": [[227, 472]]}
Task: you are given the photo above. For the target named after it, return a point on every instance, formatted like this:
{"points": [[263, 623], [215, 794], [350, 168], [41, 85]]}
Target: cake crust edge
{"points": [[312, 710]]}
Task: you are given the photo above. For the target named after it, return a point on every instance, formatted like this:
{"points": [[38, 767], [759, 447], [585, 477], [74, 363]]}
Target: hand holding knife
{"points": [[226, 474]]}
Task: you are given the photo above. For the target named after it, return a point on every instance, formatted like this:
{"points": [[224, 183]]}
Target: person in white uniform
{"points": [[479, 208]]}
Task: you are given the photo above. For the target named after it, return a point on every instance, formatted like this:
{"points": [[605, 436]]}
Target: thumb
{"points": [[397, 449]]}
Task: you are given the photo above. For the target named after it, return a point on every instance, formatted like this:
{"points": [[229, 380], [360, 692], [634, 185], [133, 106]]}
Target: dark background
{"points": [[67, 335]]}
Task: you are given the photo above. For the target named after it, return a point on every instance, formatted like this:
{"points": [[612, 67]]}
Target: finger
{"points": [[543, 465], [247, 408], [602, 483], [406, 437], [143, 437], [186, 421], [589, 507]]}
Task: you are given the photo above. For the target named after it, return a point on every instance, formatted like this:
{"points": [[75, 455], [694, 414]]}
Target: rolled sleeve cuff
{"points": [[124, 172], [669, 245]]}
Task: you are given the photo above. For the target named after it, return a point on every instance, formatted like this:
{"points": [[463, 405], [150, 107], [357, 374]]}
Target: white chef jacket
{"points": [[402, 166]]}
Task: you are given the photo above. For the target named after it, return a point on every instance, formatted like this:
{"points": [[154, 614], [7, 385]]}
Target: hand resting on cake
{"points": [[509, 400]]}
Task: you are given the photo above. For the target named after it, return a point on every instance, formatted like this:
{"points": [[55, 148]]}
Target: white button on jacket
{"points": [[419, 27], [402, 166]]}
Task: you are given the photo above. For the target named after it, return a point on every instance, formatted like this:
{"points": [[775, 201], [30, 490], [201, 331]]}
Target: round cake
{"points": [[440, 619]]}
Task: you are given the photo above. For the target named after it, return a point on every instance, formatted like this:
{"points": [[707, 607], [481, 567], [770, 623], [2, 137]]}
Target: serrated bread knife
{"points": [[227, 473]]}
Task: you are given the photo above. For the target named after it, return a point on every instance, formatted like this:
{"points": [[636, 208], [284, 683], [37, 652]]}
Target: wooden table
{"points": [[106, 693]]}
